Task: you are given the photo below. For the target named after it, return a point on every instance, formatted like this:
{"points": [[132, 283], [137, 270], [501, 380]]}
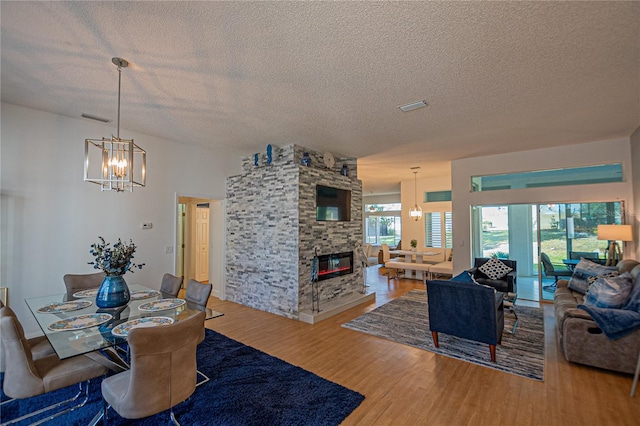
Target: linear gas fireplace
{"points": [[334, 265]]}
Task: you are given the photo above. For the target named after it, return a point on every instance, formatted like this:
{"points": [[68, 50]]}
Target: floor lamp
{"points": [[613, 234]]}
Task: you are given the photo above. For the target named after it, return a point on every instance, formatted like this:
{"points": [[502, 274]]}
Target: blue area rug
{"points": [[247, 387]]}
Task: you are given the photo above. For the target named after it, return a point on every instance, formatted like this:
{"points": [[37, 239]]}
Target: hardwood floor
{"points": [[408, 386]]}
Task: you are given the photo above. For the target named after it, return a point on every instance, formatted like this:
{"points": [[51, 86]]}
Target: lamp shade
{"points": [[615, 232]]}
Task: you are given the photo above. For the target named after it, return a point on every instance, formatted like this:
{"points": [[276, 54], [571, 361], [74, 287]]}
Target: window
{"points": [[383, 224], [542, 178], [438, 229], [437, 196]]}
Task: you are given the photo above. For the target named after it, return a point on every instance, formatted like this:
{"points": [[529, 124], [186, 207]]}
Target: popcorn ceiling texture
{"points": [[497, 75], [272, 232]]}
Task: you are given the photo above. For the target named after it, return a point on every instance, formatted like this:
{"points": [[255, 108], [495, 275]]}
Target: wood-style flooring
{"points": [[403, 385]]}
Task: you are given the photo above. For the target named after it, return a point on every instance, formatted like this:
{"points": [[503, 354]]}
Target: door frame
{"points": [[216, 238]]}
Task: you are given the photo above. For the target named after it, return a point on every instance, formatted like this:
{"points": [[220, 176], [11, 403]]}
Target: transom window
{"points": [[603, 173]]}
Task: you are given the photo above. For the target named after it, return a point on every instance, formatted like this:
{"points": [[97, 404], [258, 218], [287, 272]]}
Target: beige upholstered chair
{"points": [[163, 370], [371, 255], [385, 253], [79, 282], [26, 377], [198, 293], [170, 286], [197, 296], [40, 346]]}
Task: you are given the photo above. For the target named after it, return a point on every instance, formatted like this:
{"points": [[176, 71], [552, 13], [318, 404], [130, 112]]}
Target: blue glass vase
{"points": [[113, 292]]}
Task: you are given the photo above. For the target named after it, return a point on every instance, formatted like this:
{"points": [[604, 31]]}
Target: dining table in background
{"points": [[411, 256]]}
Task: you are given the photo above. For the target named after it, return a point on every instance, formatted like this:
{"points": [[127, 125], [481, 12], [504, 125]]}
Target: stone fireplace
{"points": [[273, 233]]}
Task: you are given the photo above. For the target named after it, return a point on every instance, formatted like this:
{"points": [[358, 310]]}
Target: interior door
{"points": [[202, 243]]}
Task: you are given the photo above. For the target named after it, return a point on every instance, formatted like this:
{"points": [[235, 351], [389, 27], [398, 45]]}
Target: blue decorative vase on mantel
{"points": [[113, 292]]}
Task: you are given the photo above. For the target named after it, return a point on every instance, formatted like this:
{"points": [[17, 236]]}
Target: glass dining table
{"points": [[75, 325]]}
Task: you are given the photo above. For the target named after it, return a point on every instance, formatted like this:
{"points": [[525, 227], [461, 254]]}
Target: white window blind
{"points": [[438, 229]]}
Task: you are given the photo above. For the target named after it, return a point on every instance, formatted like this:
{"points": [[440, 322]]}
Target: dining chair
{"points": [[198, 293], [162, 374], [40, 346], [170, 286], [551, 271], [79, 282], [26, 377]]}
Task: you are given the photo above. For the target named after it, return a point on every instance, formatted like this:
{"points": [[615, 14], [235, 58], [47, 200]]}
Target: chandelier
{"points": [[415, 212], [123, 164]]}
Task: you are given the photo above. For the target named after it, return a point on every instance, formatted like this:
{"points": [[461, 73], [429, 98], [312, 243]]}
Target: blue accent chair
{"points": [[467, 310]]}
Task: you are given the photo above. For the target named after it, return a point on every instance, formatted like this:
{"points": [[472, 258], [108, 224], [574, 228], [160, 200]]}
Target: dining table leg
{"points": [[110, 359]]}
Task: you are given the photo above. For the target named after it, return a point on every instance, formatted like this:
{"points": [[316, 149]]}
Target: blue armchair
{"points": [[466, 310]]}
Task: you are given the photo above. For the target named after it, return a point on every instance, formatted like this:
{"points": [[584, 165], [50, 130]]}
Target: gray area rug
{"points": [[405, 320]]}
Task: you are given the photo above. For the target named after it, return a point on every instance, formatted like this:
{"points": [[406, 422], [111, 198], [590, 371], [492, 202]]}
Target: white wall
{"points": [[634, 216], [50, 216], [593, 153]]}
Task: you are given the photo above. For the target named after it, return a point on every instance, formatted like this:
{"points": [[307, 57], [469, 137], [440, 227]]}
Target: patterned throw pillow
{"points": [[609, 292], [495, 269], [591, 280], [585, 269]]}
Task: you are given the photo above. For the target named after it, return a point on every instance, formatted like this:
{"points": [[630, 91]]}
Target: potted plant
{"points": [[414, 245], [114, 262]]}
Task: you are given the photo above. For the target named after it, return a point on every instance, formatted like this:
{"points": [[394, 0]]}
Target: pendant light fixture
{"points": [[415, 212], [123, 164]]}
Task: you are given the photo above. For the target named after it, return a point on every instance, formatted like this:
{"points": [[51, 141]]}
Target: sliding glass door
{"points": [[529, 233]]}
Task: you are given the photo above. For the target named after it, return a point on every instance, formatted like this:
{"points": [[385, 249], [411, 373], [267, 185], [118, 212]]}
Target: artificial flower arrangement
{"points": [[116, 260]]}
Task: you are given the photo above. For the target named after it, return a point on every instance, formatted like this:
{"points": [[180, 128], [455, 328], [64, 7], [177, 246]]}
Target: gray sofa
{"points": [[582, 341]]}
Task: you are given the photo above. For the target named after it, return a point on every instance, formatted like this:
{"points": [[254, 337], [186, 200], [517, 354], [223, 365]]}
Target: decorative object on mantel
{"points": [[415, 212], [329, 160], [345, 170], [306, 160], [269, 154], [114, 262], [116, 156], [414, 245]]}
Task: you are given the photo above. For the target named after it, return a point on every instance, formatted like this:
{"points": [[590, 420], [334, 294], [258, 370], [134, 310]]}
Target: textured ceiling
{"points": [[236, 76]]}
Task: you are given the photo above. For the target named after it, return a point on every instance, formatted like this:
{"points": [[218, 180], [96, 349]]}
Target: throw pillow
{"points": [[585, 269], [609, 292], [591, 280], [495, 269], [467, 277], [464, 277]]}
